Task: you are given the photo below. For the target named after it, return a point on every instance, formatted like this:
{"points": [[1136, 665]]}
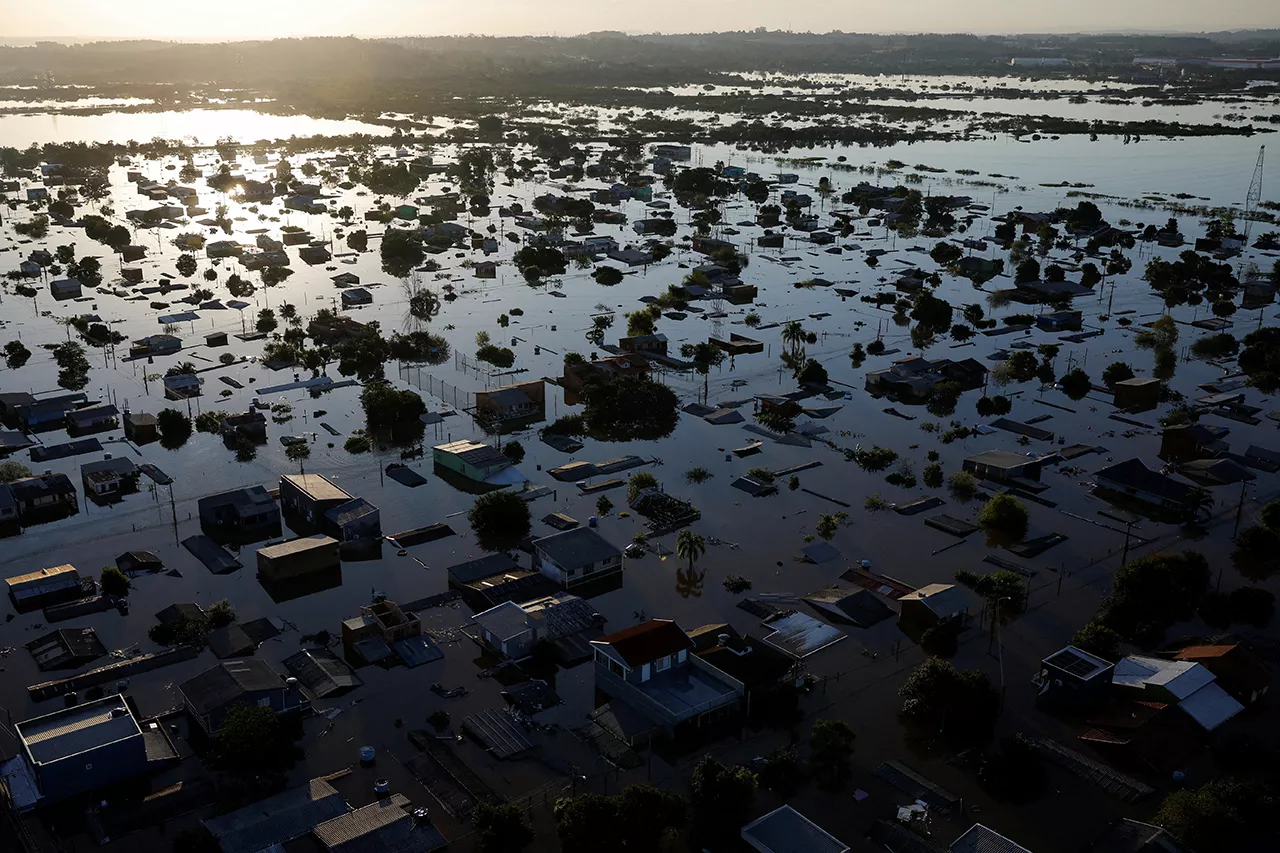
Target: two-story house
{"points": [[650, 668]]}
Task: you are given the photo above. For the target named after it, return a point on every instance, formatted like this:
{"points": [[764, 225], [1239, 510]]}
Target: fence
{"points": [[441, 390]]}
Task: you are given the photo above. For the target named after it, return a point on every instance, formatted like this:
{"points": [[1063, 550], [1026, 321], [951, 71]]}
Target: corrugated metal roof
{"points": [[505, 621], [1180, 678], [43, 581], [277, 819], [785, 830], [980, 839], [1210, 706], [362, 821], [801, 634], [78, 729]]}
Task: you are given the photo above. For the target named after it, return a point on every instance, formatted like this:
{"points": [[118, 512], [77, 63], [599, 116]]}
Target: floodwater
{"points": [[199, 127], [760, 537]]}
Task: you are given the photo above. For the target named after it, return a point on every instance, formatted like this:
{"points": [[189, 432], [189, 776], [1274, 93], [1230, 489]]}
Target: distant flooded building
{"points": [[512, 402], [65, 288]]}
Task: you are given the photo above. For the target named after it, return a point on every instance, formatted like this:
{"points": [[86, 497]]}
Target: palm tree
{"points": [[690, 546], [793, 335]]}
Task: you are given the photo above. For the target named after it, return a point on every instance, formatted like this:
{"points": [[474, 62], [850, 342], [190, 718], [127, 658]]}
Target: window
{"points": [[264, 702], [662, 664]]}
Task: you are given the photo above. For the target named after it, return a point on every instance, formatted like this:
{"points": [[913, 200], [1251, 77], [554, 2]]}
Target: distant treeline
{"points": [[348, 70]]}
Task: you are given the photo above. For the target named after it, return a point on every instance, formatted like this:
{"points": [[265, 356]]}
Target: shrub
{"points": [[1004, 518]]}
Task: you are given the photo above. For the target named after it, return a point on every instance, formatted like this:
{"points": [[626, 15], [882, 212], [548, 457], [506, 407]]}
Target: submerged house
{"points": [[1133, 479], [110, 478], [512, 630], [512, 402], [310, 496], [650, 668], [243, 513], [83, 748], [48, 495], [1003, 466], [914, 378], [44, 587], [479, 463], [209, 696], [574, 557], [935, 604]]}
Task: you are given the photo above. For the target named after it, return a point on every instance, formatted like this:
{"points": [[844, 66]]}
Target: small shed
{"points": [[215, 339]]}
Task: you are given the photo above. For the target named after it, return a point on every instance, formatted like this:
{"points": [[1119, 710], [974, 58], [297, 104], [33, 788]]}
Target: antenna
{"points": [[1254, 199]]}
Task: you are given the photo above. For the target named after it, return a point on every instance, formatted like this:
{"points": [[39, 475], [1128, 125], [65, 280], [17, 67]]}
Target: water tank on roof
{"points": [[367, 754]]}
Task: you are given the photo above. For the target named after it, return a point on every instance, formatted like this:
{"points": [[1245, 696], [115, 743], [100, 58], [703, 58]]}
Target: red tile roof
{"points": [[647, 641], [1202, 652]]}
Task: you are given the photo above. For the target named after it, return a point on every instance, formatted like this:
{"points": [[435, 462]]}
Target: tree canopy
{"points": [[500, 520]]}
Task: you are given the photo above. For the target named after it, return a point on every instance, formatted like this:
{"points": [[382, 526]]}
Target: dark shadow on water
{"points": [[282, 591]]}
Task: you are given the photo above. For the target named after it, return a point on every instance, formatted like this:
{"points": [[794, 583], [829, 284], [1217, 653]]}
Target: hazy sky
{"points": [[238, 19]]}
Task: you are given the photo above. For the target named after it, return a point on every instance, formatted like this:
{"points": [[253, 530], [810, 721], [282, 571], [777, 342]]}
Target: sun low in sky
{"points": [[258, 19]]}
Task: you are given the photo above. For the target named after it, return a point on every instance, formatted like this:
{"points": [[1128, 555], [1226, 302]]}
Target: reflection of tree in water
{"points": [[423, 304], [689, 582]]}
